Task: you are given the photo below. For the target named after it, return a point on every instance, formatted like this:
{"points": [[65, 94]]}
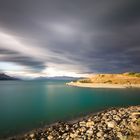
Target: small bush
{"points": [[137, 74], [131, 73], [85, 81], [134, 74], [109, 81]]}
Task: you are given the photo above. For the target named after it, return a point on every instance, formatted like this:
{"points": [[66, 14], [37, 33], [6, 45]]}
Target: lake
{"points": [[25, 105]]}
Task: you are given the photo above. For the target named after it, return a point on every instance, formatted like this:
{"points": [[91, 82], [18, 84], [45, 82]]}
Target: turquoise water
{"points": [[28, 104]]}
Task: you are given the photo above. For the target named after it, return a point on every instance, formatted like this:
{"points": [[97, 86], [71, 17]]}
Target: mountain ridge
{"points": [[4, 76]]}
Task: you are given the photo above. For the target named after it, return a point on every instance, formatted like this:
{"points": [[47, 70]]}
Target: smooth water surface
{"points": [[27, 104]]}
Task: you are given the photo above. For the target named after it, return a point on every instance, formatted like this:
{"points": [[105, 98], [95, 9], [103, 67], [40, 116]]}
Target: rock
{"points": [[135, 126], [100, 134], [89, 132], [111, 124], [89, 124], [50, 137], [32, 135], [114, 112], [116, 117], [67, 138], [79, 139], [73, 135], [119, 134], [64, 136], [83, 123], [105, 135], [104, 118], [84, 137], [67, 128], [82, 129]]}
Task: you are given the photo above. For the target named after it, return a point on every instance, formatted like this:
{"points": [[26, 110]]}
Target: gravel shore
{"points": [[111, 124]]}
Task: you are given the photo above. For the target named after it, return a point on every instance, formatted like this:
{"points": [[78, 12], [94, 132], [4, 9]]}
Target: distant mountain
{"points": [[56, 78], [6, 77]]}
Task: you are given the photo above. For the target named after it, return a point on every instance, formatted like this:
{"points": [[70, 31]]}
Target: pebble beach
{"points": [[111, 124]]}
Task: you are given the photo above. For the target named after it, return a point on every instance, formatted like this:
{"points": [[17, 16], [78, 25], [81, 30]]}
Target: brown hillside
{"points": [[125, 78]]}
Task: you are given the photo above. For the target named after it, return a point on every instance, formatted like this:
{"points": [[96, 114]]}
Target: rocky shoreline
{"points": [[111, 124]]}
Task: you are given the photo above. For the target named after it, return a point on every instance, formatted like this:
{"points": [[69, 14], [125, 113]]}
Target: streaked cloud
{"points": [[74, 37]]}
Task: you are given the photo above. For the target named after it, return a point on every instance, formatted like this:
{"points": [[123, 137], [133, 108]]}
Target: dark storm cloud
{"points": [[26, 61], [95, 35], [18, 58], [7, 52]]}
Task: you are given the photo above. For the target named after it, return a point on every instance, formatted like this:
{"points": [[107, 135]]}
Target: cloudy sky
{"points": [[69, 37]]}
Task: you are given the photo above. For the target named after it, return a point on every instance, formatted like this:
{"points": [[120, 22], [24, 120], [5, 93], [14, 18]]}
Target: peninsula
{"points": [[124, 80]]}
